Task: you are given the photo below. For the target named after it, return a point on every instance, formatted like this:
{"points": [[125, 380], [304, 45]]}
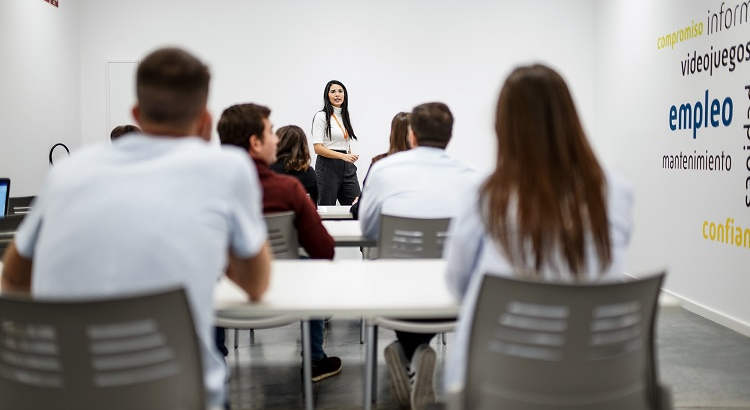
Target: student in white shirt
{"points": [[424, 182], [150, 211], [549, 211], [332, 133]]}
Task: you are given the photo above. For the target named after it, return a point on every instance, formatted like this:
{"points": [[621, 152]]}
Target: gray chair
{"points": [[136, 352], [8, 227], [282, 237], [544, 346], [20, 204], [405, 238], [411, 237]]}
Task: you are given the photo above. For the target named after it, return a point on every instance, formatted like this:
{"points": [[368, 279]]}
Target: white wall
{"points": [[635, 86], [39, 83], [391, 55]]}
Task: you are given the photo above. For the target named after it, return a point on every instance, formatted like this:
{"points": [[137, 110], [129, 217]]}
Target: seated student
{"points": [[549, 211], [424, 182], [399, 141], [293, 158], [155, 210], [248, 127], [121, 130]]}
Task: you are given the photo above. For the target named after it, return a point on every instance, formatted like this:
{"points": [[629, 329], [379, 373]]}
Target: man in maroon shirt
{"points": [[247, 126]]}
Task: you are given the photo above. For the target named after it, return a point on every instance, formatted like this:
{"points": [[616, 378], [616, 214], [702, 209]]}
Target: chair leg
{"points": [[374, 342], [252, 336], [236, 338], [368, 367], [362, 327], [307, 364]]}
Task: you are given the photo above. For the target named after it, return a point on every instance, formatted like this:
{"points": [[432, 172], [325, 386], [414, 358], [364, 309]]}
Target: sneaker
{"points": [[423, 365], [325, 368], [398, 368]]}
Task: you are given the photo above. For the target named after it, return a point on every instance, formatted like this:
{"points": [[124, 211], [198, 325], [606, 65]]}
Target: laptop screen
{"points": [[4, 193]]}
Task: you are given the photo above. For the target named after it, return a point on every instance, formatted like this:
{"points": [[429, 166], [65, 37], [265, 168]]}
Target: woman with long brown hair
{"points": [[549, 211], [293, 158]]}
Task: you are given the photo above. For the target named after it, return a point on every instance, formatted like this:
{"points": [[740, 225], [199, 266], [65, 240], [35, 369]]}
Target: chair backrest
{"points": [[411, 237], [544, 346], [8, 227], [21, 201], [282, 235], [127, 353], [20, 204]]}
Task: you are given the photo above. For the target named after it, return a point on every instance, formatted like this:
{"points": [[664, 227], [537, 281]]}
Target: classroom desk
{"points": [[347, 289], [334, 212], [347, 233]]}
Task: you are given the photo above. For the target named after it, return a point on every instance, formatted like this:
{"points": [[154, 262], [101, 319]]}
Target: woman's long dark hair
{"points": [[292, 150], [399, 133], [328, 109], [548, 191]]}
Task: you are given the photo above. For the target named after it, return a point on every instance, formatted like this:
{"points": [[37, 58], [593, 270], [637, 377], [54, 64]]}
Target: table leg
{"points": [[368, 368], [307, 364]]}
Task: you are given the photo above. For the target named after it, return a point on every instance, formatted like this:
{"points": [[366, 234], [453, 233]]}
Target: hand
{"points": [[349, 157]]}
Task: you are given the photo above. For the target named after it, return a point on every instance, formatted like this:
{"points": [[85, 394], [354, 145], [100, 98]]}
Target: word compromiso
{"points": [[682, 34], [699, 115]]}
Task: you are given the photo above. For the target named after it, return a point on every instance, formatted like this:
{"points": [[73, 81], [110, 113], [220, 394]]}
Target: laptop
{"points": [[4, 195]]}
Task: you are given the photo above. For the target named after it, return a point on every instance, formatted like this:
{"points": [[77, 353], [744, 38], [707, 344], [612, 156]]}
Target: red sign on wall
{"points": [[53, 2]]}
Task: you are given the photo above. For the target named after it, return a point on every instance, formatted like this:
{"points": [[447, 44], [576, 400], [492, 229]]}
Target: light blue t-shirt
{"points": [[471, 252], [423, 182], [141, 214]]}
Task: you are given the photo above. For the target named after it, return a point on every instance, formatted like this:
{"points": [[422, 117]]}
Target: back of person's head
{"points": [[241, 121], [172, 89], [399, 133], [293, 152], [547, 172], [432, 124], [121, 130]]}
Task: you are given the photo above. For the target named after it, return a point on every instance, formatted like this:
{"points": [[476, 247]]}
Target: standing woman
{"points": [[331, 135]]}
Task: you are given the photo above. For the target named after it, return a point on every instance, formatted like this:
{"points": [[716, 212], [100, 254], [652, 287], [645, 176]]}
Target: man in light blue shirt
{"points": [[150, 211], [424, 182]]}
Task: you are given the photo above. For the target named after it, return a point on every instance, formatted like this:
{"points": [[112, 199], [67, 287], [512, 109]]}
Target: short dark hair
{"points": [[432, 124], [172, 87], [239, 122], [121, 130]]}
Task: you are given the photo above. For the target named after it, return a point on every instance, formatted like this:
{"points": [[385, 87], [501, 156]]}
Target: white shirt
{"points": [[337, 140], [143, 214], [423, 182], [471, 252]]}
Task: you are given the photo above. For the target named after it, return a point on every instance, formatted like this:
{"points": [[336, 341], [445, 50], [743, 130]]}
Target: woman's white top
{"points": [[471, 252], [337, 140]]}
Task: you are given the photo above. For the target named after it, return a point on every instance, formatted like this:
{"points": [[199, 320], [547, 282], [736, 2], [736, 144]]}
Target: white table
{"points": [[347, 233], [409, 288], [334, 212], [309, 289]]}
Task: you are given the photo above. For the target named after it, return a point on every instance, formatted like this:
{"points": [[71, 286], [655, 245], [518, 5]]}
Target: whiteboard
{"points": [[120, 93]]}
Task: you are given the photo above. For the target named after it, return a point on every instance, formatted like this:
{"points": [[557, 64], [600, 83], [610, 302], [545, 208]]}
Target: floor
{"points": [[706, 365]]}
